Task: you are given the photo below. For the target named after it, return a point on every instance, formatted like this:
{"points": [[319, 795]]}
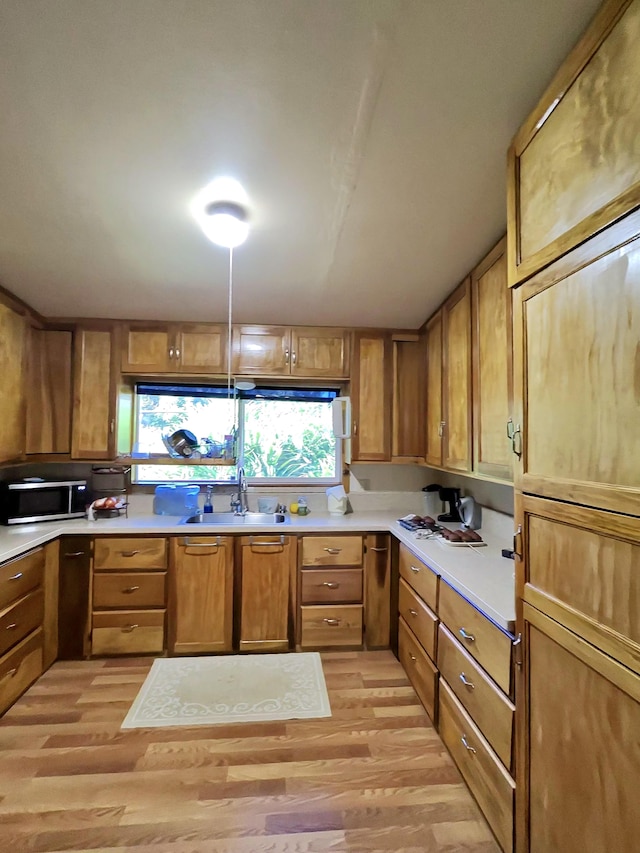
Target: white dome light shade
{"points": [[219, 210]]}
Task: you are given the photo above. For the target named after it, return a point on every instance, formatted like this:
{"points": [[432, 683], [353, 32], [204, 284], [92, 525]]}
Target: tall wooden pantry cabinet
{"points": [[574, 259]]}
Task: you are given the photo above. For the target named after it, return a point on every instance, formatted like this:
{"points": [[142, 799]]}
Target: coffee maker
{"points": [[451, 497]]}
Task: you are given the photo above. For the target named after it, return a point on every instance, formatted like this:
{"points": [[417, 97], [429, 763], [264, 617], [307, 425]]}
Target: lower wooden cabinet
{"points": [[331, 625], [129, 595], [201, 594], [267, 592], [419, 667], [20, 667], [485, 775]]}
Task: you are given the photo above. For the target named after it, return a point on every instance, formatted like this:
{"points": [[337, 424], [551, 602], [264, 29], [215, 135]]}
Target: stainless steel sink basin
{"points": [[232, 518]]}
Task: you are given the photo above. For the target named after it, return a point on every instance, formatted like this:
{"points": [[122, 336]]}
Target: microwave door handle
{"points": [[70, 507]]}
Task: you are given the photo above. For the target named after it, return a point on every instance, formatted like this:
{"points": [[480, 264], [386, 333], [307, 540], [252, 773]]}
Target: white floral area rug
{"points": [[230, 689]]}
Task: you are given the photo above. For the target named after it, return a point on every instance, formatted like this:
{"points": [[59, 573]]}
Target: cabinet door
{"points": [[319, 352], [371, 398], [267, 585], [492, 395], [201, 614], [13, 350], [434, 423], [581, 737], [407, 443], [148, 349], [377, 590], [261, 350], [201, 348], [456, 378], [49, 392], [93, 427], [577, 377]]}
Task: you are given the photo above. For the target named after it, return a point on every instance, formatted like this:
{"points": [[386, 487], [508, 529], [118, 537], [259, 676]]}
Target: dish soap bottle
{"points": [[303, 508], [208, 506]]}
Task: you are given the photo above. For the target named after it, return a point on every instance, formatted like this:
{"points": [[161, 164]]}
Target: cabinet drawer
{"points": [[321, 585], [418, 666], [332, 551], [490, 646], [19, 576], [335, 625], [489, 782], [19, 668], [128, 632], [422, 621], [130, 553], [21, 619], [129, 589], [419, 576], [489, 707]]}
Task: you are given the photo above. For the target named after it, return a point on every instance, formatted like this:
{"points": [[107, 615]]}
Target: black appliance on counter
{"points": [[34, 499], [449, 496]]}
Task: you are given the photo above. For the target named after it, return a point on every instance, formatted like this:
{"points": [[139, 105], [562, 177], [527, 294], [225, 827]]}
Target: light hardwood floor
{"points": [[373, 777]]}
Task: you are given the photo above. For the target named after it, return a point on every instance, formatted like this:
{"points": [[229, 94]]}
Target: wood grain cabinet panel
{"points": [[21, 575], [201, 594], [419, 667], [578, 375], [128, 632], [13, 369], [330, 626], [129, 590], [420, 618], [21, 619], [320, 351], [93, 433], [456, 379], [482, 639], [408, 432], [191, 348], [419, 576], [267, 593], [575, 164], [434, 424], [49, 392], [332, 550], [491, 317], [489, 708], [321, 586], [261, 350], [19, 668], [115, 553], [489, 782], [371, 395]]}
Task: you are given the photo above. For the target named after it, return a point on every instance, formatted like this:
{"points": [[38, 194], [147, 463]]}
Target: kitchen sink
{"points": [[232, 518]]}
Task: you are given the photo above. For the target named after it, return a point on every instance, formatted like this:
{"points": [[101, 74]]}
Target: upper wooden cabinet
{"points": [[448, 441], [49, 392], [283, 351], [407, 444], [492, 362], [93, 433], [575, 164], [433, 421], [191, 348], [13, 369], [371, 389], [577, 374]]}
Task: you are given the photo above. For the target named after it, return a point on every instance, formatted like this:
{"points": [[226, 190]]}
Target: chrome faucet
{"points": [[242, 491]]}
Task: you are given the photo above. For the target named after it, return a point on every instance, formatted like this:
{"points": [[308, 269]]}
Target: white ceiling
{"points": [[370, 136]]}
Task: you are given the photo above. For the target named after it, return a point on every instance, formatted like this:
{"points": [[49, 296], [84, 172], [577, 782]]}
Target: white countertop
{"points": [[481, 574]]}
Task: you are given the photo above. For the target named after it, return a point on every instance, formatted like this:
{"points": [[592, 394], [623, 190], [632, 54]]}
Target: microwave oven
{"points": [[42, 500]]}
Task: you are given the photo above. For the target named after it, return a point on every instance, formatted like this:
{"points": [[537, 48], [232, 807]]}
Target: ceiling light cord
{"points": [[230, 300]]}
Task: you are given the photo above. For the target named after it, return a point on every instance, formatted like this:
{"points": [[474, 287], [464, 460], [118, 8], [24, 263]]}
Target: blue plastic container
{"points": [[176, 499]]}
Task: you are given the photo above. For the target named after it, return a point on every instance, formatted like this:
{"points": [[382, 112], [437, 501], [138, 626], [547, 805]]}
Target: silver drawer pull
{"points": [[9, 673], [74, 554], [258, 544], [468, 637], [333, 550], [332, 621], [129, 628], [129, 589], [15, 577], [413, 657], [415, 569], [466, 683], [12, 627], [379, 550], [331, 585], [413, 612], [129, 553], [466, 745], [189, 544]]}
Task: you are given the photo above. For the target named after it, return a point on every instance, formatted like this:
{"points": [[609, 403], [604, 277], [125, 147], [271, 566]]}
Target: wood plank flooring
{"points": [[373, 777]]}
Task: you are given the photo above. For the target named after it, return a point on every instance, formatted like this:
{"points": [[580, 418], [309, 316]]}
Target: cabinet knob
{"points": [[293, 357], [286, 356], [171, 351], [413, 657], [413, 612]]}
